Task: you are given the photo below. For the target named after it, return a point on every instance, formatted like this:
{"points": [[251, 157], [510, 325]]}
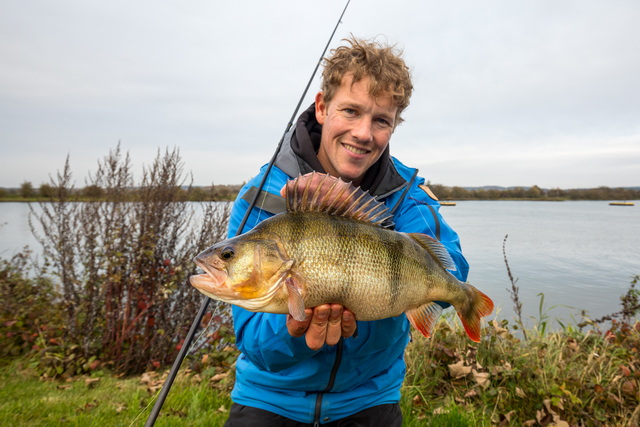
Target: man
{"points": [[330, 369]]}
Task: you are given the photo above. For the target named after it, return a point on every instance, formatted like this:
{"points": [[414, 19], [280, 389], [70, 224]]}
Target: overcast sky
{"points": [[506, 93]]}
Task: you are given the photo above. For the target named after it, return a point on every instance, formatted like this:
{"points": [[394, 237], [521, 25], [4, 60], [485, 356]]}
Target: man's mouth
{"points": [[355, 150]]}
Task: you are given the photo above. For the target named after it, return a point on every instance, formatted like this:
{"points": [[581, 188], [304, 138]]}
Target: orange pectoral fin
{"points": [[425, 317]]}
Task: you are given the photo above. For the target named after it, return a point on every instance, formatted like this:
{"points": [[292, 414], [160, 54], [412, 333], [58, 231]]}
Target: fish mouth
{"points": [[211, 282], [211, 271], [215, 284]]}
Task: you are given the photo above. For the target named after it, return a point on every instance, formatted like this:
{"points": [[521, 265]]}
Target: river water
{"points": [[580, 255]]}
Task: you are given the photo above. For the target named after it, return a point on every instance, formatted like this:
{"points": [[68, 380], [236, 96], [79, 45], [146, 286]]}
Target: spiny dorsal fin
{"points": [[319, 192], [436, 249]]}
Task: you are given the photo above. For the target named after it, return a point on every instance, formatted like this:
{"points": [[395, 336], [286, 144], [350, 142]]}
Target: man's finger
{"points": [[334, 327], [298, 328], [317, 331], [348, 324]]}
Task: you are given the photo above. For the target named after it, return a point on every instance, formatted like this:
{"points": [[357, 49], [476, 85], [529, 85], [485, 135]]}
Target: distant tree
{"points": [[600, 193], [556, 192], [27, 190], [46, 190], [622, 194], [517, 192], [478, 193], [534, 192], [93, 191], [224, 191], [204, 194], [443, 192], [494, 194], [198, 194], [439, 190], [459, 193]]}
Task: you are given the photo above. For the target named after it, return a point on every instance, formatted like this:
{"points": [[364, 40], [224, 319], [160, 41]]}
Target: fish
{"points": [[335, 244]]}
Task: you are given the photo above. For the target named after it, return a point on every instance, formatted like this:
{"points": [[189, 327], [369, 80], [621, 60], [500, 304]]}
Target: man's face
{"points": [[356, 128]]}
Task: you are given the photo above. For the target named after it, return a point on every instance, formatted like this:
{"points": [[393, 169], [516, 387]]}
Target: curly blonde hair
{"points": [[369, 58]]}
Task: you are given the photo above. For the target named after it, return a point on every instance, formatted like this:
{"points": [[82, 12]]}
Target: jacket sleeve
{"points": [[263, 337]]}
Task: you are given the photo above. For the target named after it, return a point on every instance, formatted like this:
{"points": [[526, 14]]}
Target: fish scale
{"points": [[346, 272]]}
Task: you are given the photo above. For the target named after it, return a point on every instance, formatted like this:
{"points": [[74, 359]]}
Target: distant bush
{"points": [[27, 190], [534, 193]]}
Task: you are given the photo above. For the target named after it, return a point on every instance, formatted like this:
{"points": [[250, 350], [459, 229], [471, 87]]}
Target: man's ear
{"points": [[321, 108]]}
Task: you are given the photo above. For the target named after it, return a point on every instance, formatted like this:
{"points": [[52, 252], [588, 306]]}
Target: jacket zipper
{"points": [[332, 380]]}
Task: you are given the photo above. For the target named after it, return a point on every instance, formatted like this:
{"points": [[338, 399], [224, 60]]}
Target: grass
{"points": [[25, 400]]}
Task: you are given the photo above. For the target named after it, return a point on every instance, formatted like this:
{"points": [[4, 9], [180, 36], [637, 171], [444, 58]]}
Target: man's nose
{"points": [[362, 129]]}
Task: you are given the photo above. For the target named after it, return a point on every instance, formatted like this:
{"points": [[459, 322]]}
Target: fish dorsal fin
{"points": [[319, 192], [436, 249]]}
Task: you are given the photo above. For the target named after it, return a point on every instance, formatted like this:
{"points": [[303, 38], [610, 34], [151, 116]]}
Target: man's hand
{"points": [[325, 324]]}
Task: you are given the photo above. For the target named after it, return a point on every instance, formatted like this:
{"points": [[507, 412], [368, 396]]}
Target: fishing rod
{"points": [[205, 302]]}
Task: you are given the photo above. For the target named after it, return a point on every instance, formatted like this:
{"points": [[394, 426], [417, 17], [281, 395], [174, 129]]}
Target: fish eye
{"points": [[227, 253]]}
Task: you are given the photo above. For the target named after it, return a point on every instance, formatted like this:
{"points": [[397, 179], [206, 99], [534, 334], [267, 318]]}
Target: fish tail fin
{"points": [[424, 318], [480, 305]]}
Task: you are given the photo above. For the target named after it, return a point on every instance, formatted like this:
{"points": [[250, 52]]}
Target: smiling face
{"points": [[356, 129]]}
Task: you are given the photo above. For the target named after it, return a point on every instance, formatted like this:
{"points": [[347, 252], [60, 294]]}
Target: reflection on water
{"points": [[579, 254]]}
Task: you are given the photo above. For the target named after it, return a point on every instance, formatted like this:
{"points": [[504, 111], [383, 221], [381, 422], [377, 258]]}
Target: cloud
{"points": [[505, 93]]}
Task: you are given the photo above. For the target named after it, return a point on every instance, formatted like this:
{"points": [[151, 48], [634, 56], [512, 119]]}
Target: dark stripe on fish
{"points": [[298, 226], [347, 250], [392, 248]]}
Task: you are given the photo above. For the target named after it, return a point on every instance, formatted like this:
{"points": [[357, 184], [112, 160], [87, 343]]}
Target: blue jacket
{"points": [[279, 373]]}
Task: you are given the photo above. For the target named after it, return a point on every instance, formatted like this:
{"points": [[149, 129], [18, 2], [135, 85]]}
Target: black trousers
{"points": [[388, 415]]}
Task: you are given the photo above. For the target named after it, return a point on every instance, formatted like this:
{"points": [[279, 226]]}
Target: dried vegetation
{"points": [[117, 270]]}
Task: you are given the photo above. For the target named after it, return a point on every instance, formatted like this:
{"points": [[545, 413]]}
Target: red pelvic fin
{"points": [[425, 317]]}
